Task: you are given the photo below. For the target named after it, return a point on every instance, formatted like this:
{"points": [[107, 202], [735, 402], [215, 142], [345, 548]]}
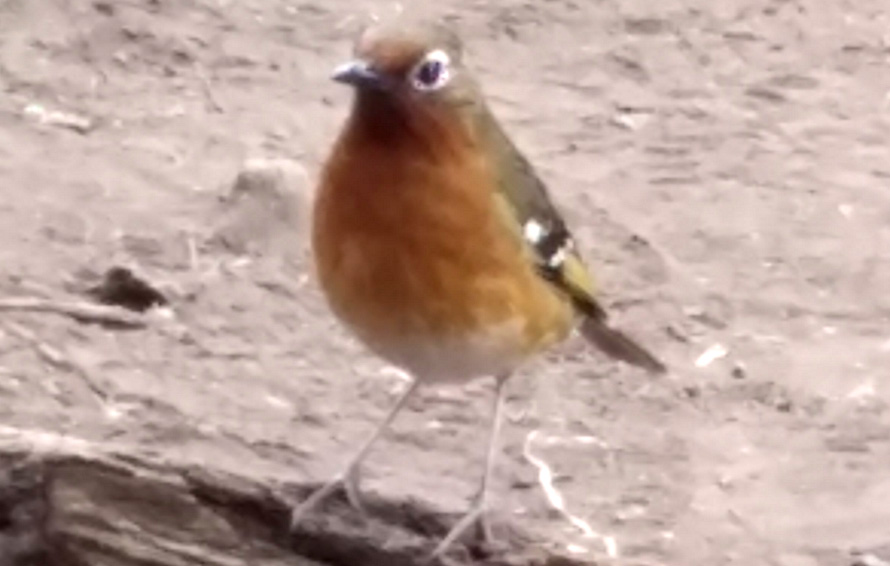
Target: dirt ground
{"points": [[724, 164]]}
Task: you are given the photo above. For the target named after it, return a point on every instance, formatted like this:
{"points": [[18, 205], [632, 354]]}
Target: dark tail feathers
{"points": [[618, 345]]}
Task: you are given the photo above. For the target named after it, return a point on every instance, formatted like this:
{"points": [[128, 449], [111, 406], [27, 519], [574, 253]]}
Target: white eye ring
{"points": [[438, 60]]}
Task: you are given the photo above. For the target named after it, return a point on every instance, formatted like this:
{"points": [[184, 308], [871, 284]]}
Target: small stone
{"points": [[267, 209], [121, 287], [739, 371]]}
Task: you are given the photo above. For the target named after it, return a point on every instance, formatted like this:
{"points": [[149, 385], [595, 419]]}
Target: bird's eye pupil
{"points": [[429, 73]]}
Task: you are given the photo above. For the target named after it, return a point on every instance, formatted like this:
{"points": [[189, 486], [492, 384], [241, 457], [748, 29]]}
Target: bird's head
{"points": [[412, 70]]}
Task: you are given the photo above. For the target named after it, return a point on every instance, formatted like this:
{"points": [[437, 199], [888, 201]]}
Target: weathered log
{"points": [[68, 502]]}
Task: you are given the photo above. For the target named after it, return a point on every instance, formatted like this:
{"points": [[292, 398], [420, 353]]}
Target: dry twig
{"points": [[78, 310]]}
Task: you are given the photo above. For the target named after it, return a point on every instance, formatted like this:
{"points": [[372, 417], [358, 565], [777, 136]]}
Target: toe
{"points": [[348, 481], [485, 532], [353, 493], [474, 518]]}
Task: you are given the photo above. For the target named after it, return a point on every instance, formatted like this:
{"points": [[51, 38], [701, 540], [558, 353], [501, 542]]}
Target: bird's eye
{"points": [[433, 72], [429, 73]]}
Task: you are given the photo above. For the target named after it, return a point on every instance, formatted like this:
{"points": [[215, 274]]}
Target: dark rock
{"points": [[68, 502]]}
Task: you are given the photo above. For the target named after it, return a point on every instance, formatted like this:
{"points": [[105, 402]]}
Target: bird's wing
{"points": [[531, 215]]}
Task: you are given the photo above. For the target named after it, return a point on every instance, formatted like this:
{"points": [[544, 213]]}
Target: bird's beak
{"points": [[359, 74]]}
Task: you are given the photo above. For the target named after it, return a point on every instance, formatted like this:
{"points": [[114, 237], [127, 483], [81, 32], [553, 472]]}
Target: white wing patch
{"points": [[533, 231], [553, 248], [554, 261]]}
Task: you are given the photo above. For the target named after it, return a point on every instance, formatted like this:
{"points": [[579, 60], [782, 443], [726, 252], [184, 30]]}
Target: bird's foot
{"points": [[348, 480], [476, 517]]}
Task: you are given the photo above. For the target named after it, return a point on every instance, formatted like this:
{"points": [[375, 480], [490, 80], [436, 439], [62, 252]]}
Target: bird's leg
{"points": [[477, 515], [348, 478]]}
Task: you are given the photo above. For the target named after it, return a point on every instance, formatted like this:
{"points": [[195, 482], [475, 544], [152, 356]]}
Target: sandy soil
{"points": [[724, 164]]}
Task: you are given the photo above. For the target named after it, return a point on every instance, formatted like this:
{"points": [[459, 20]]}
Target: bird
{"points": [[437, 244]]}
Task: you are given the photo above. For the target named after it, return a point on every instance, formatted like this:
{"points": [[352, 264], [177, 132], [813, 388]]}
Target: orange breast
{"points": [[409, 250]]}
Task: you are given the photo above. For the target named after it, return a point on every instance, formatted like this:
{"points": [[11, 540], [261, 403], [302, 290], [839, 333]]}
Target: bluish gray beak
{"points": [[358, 74]]}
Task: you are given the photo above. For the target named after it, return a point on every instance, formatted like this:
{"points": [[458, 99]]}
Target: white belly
{"points": [[497, 352]]}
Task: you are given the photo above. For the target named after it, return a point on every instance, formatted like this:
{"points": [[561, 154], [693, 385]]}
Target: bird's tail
{"points": [[618, 345]]}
